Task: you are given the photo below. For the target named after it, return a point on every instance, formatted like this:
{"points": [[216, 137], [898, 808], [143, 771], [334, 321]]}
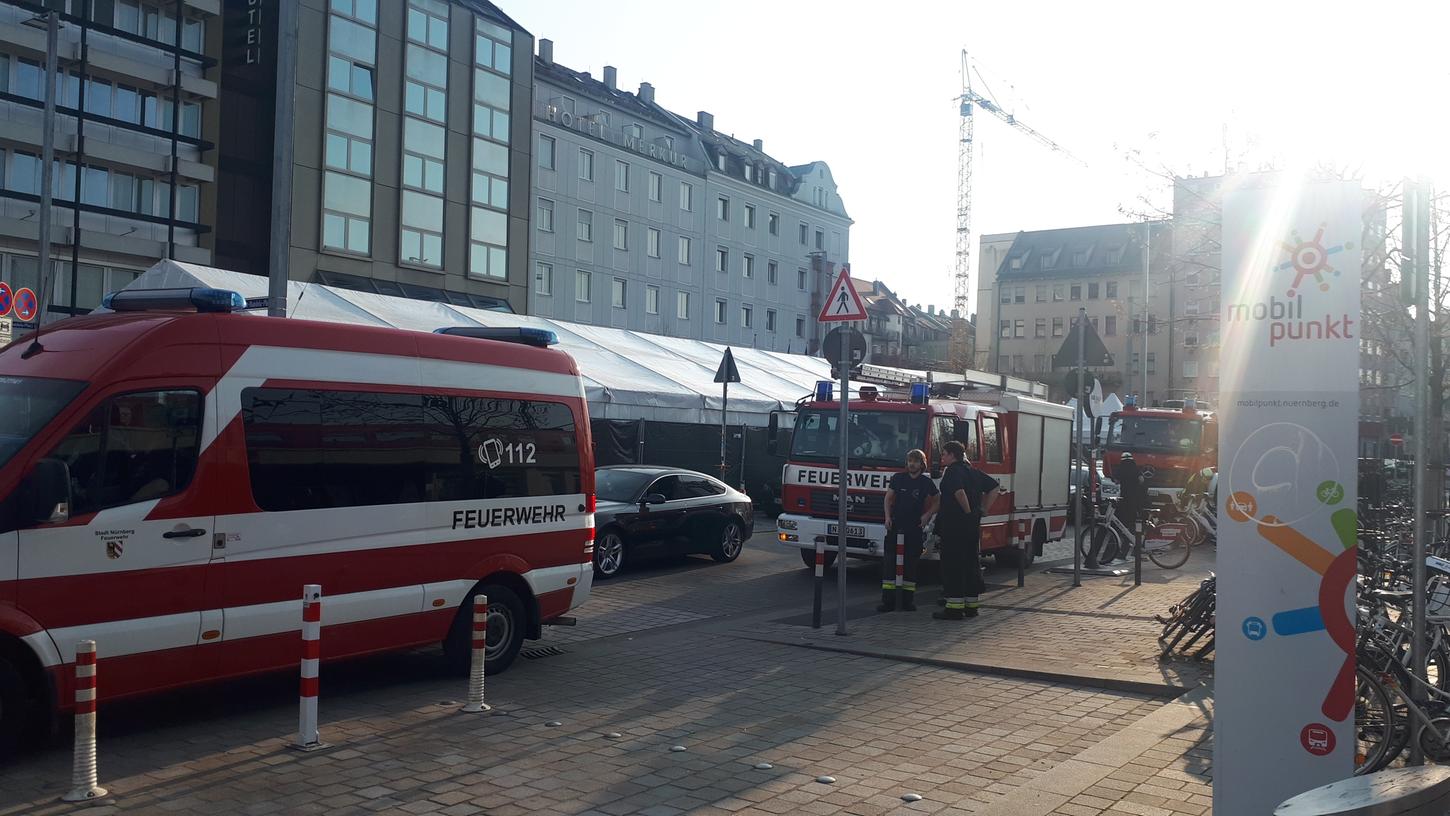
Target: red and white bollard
{"points": [[83, 772], [900, 564], [307, 739], [480, 649]]}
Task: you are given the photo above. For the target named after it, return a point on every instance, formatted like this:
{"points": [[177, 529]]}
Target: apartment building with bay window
{"points": [[648, 220], [402, 163], [135, 142]]}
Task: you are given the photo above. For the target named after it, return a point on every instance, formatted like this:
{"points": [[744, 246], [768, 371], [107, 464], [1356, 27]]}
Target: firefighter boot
{"points": [[888, 598], [908, 599], [955, 610]]}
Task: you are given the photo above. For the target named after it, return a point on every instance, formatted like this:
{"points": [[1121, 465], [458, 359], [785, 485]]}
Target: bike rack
{"points": [[1422, 791]]}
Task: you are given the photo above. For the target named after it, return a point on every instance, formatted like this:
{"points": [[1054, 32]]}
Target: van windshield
{"points": [[876, 437], [27, 404], [1161, 434]]}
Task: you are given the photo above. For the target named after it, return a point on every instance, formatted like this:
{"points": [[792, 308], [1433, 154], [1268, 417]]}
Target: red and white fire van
{"points": [[1020, 441], [173, 473]]}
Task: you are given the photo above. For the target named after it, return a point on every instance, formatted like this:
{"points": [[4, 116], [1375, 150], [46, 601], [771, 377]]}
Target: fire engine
{"points": [[1017, 439], [1172, 443]]}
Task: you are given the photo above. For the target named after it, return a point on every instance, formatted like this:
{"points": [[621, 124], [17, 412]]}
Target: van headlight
{"points": [[787, 524]]}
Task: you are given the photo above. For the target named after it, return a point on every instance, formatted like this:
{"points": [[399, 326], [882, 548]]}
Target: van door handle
{"points": [[192, 533]]}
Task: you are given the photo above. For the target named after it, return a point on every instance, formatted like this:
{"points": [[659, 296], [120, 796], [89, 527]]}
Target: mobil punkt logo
{"points": [[1288, 319]]}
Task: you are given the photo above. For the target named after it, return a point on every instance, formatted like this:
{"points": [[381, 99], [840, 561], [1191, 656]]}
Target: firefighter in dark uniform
{"points": [[1133, 499], [911, 500], [966, 493]]}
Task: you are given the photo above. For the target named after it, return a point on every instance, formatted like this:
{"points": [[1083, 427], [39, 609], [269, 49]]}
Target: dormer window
{"points": [[1015, 262], [1114, 256], [771, 178], [1049, 260], [720, 161], [749, 172], [1080, 257]]}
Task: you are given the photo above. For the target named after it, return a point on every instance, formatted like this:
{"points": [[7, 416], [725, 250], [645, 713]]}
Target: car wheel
{"points": [[808, 557], [505, 632], [608, 553], [730, 543]]}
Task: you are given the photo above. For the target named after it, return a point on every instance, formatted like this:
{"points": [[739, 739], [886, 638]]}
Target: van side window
{"points": [[992, 439], [967, 435], [941, 434], [132, 448], [309, 449]]}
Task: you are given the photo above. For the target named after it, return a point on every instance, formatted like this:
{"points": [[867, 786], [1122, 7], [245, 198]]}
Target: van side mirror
{"points": [[45, 496]]}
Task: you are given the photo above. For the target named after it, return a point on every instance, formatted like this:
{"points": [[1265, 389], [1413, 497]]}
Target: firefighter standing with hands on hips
{"points": [[966, 493], [911, 500]]}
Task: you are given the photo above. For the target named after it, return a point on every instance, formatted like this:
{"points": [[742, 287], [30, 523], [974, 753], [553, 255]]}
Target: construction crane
{"points": [[969, 98]]}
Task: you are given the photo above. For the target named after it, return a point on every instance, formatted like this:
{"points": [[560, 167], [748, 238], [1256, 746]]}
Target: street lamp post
{"points": [[47, 161]]}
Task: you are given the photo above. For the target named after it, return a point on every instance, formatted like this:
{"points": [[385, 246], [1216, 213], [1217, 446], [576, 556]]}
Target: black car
{"points": [[644, 509]]}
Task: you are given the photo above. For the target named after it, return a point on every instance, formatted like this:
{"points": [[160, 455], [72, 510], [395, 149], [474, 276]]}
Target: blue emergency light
{"points": [[539, 338], [198, 298], [920, 392], [824, 390], [1129, 401]]}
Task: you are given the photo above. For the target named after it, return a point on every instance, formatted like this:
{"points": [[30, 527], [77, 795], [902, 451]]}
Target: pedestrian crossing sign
{"points": [[844, 304]]}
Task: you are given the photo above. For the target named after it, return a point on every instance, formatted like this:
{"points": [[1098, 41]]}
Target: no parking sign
{"points": [[6, 299], [26, 305]]}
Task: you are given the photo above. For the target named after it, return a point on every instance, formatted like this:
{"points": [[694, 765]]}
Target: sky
{"points": [[1137, 91]]}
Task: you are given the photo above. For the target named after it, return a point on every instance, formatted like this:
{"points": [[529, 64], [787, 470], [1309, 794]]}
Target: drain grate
{"points": [[540, 652]]}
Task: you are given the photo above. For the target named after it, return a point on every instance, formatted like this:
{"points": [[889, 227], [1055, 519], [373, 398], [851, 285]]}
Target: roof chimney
{"points": [[646, 93], [760, 145], [955, 316], [611, 77], [705, 120], [546, 51]]}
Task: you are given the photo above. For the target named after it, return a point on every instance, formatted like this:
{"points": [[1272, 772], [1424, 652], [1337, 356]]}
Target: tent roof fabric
{"points": [[627, 374]]}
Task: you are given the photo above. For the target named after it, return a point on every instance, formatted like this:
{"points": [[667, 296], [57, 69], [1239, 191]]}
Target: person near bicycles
{"points": [[1133, 497], [911, 500], [1201, 485]]}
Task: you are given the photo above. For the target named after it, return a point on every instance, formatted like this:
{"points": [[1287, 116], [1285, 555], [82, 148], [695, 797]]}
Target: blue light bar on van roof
{"points": [[824, 390], [920, 392], [181, 299], [540, 338]]}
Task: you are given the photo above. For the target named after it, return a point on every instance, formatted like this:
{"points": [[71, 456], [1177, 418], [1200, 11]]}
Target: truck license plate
{"points": [[851, 530]]}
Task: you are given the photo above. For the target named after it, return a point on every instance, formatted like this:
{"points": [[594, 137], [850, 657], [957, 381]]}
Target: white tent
{"points": [[628, 374]]}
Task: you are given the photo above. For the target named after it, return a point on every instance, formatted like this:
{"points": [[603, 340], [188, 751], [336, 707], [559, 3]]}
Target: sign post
{"points": [[843, 305], [727, 373], [1081, 349], [1289, 413]]}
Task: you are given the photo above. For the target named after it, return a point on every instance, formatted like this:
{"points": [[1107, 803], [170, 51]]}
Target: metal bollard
{"points": [[820, 583], [1422, 791], [307, 738], [480, 649], [900, 564], [83, 772]]}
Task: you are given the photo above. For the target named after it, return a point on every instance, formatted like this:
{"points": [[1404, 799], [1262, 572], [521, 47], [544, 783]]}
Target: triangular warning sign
{"points": [[727, 372], [1094, 352], [844, 303]]}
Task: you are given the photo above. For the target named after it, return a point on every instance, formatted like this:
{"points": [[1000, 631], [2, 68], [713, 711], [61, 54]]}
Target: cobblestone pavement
{"points": [[668, 656]]}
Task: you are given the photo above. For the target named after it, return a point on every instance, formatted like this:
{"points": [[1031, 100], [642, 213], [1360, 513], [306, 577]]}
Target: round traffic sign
{"points": [[1395, 439], [26, 305], [856, 345], [6, 298]]}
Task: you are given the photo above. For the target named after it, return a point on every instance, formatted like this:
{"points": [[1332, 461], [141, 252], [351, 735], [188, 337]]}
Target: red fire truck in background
{"points": [[1174, 443], [1020, 441]]}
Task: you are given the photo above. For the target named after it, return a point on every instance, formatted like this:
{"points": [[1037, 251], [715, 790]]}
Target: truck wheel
{"points": [[15, 708], [808, 557], [506, 622]]}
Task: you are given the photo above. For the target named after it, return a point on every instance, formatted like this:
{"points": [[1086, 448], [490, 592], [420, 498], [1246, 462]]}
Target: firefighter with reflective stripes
{"points": [[966, 492], [911, 500]]}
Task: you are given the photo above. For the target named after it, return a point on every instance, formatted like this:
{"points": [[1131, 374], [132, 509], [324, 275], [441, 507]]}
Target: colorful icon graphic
{"points": [[1317, 739], [1310, 259]]}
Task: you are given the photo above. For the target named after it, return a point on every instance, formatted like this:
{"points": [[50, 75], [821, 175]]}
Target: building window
{"points": [[652, 300], [581, 286], [1002, 363], [1075, 292], [747, 267], [1057, 327], [1191, 307], [1015, 262], [772, 223], [1019, 329], [546, 215], [749, 172], [722, 208], [684, 250], [750, 216], [820, 239], [617, 293], [682, 305], [1040, 327], [1092, 291], [634, 131], [1006, 295], [621, 235], [656, 182], [1080, 257], [585, 226], [1190, 340], [652, 242], [800, 279], [425, 91], [621, 176], [747, 317], [1110, 325], [1152, 362], [1041, 293], [687, 197], [1114, 256], [1111, 292], [805, 234], [771, 272], [543, 279], [1019, 295], [720, 309], [770, 320], [800, 327], [722, 260], [1016, 363], [348, 124], [546, 152], [1004, 329], [1057, 292], [1039, 362], [586, 164], [1190, 369]]}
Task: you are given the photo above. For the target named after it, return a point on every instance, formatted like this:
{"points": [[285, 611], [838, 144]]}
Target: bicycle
{"points": [[1166, 544]]}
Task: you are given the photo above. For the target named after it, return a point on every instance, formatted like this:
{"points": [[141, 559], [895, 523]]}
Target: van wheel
{"points": [[808, 557], [506, 622], [15, 708]]}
